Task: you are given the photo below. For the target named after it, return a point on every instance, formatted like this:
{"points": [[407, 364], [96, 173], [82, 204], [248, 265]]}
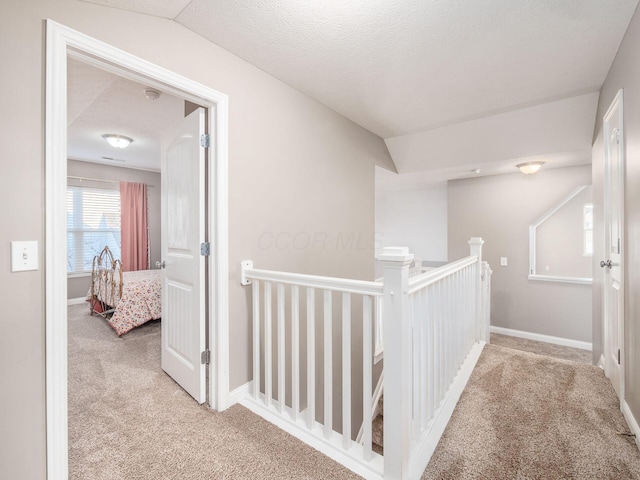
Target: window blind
{"points": [[93, 221]]}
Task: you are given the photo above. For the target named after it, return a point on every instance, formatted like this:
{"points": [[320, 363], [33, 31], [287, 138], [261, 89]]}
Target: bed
{"points": [[125, 299]]}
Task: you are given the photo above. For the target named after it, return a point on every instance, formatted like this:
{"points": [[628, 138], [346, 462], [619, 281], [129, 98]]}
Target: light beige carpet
{"points": [[543, 348], [522, 416], [128, 420], [528, 416]]}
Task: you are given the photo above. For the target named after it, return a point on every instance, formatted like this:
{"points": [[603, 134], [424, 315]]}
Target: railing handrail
{"points": [[345, 285], [425, 279]]}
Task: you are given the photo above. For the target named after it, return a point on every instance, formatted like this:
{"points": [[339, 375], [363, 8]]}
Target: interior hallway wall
{"points": [[625, 74], [295, 167], [500, 209], [416, 219]]}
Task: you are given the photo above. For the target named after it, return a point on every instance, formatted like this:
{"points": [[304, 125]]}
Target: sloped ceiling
{"points": [[407, 67], [99, 102]]}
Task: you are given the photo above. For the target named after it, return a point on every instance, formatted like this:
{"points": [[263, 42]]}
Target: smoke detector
{"points": [[151, 93]]}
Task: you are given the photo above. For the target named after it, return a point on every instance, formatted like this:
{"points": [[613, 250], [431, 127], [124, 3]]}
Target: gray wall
{"points": [[560, 241], [77, 286], [414, 218], [624, 73], [295, 166], [499, 209]]}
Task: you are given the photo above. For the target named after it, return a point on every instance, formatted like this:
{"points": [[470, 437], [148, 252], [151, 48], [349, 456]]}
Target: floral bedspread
{"points": [[141, 300]]}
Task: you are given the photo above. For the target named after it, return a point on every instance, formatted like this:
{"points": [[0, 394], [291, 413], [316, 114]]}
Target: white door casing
{"points": [[62, 41], [183, 231], [612, 265]]}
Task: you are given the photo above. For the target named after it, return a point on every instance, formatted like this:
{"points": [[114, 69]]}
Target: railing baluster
{"points": [[268, 362], [311, 359], [424, 370], [281, 350], [256, 339], [328, 364], [431, 354], [346, 370], [367, 364], [379, 345], [440, 342], [295, 351], [415, 358]]}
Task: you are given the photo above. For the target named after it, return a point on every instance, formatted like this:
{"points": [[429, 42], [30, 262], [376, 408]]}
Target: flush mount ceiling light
{"points": [[530, 167], [152, 93], [117, 141]]}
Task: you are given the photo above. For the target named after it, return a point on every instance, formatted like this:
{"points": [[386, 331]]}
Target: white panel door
{"points": [[613, 291], [183, 230]]}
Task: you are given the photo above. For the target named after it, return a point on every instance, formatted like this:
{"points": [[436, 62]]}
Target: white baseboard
{"points": [[565, 342], [631, 421], [238, 394], [76, 301]]}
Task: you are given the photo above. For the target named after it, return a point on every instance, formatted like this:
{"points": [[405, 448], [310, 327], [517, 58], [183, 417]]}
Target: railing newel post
{"points": [[397, 361]]}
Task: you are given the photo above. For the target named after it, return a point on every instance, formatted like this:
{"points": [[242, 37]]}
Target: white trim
{"points": [[631, 421], [76, 301], [332, 447], [427, 444], [549, 278], [361, 287], [600, 363], [539, 337], [240, 393], [63, 41]]}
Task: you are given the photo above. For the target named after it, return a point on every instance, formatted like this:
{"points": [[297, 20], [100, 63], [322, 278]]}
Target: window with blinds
{"points": [[93, 221]]}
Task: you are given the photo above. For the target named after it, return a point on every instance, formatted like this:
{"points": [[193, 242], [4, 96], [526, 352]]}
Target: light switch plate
{"points": [[503, 261], [24, 256]]}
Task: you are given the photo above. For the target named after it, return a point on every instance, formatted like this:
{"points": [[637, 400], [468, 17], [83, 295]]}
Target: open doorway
{"points": [[63, 42]]}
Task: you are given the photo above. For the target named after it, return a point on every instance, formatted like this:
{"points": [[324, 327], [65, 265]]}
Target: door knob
{"points": [[161, 264], [606, 264]]}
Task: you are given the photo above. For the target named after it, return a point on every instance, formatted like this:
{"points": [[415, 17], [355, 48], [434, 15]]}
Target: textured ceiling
{"points": [[100, 102], [402, 68], [406, 66]]}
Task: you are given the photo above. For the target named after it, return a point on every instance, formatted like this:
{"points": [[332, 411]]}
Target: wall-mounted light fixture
{"points": [[117, 141], [530, 167]]}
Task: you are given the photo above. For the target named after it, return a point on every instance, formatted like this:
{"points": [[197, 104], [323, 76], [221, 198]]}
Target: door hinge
{"points": [[205, 140], [205, 357], [205, 249], [618, 356]]}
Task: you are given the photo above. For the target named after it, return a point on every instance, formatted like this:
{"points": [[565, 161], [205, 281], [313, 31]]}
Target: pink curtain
{"points": [[134, 226]]}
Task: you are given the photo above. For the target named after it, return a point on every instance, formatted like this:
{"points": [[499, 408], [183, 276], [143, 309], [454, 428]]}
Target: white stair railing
{"points": [[434, 331], [434, 326], [282, 304]]}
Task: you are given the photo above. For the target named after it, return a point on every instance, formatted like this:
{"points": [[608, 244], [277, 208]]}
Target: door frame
{"points": [[60, 42], [616, 103]]}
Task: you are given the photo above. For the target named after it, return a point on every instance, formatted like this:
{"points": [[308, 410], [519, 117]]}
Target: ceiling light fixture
{"points": [[117, 141], [152, 93], [530, 167]]}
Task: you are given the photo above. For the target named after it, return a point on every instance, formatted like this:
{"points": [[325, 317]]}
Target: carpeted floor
{"points": [[522, 416], [128, 420], [542, 348], [528, 416]]}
